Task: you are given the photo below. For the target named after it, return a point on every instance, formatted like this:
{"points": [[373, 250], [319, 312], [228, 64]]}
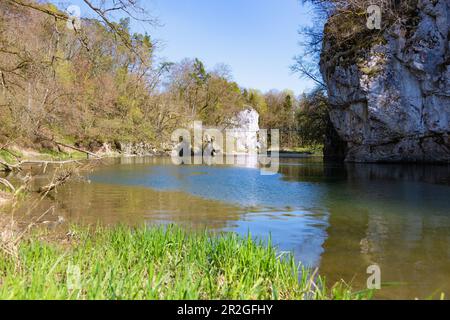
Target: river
{"points": [[340, 218]]}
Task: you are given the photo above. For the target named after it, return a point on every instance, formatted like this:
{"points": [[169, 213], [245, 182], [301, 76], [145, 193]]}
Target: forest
{"points": [[99, 82]]}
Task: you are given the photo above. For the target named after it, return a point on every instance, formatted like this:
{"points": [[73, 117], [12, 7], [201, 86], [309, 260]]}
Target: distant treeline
{"points": [[101, 82]]}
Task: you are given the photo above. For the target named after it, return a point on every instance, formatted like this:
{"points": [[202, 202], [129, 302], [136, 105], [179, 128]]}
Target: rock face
{"points": [[394, 104], [245, 130], [334, 148], [136, 149]]}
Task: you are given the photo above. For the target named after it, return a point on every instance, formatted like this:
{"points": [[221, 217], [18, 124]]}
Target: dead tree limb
{"points": [[7, 167], [60, 180], [41, 136], [7, 184], [76, 149]]}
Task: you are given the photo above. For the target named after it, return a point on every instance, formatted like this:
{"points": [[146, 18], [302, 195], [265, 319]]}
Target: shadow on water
{"points": [[396, 216], [342, 218]]}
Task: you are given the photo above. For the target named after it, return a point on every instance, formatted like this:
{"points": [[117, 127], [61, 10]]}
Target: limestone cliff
{"points": [[393, 102]]}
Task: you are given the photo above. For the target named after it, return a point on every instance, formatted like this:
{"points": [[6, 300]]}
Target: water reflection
{"points": [[341, 218], [395, 216]]}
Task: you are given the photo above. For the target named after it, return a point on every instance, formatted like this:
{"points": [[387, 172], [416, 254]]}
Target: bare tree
{"points": [[343, 22]]}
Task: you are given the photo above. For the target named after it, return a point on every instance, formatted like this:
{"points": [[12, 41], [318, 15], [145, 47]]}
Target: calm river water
{"points": [[340, 218]]}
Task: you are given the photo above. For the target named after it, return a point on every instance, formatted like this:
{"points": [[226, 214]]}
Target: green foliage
{"points": [[160, 263], [312, 118], [201, 94], [277, 110], [103, 85], [61, 156], [199, 73], [315, 149], [6, 156], [65, 73], [257, 100], [80, 81]]}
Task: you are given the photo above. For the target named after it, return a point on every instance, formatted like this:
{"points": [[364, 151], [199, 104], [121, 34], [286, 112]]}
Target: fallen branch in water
{"points": [[30, 226], [7, 167], [56, 182], [12, 235]]}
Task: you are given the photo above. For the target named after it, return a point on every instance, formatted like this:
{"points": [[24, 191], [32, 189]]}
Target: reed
{"points": [[159, 263]]}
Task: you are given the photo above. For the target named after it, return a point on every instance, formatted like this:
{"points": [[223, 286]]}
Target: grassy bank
{"points": [[157, 263]]}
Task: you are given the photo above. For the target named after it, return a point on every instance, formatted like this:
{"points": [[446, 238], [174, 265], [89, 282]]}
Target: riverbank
{"points": [[156, 263], [67, 150]]}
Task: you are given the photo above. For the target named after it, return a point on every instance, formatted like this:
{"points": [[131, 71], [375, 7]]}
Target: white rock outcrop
{"points": [[245, 131]]}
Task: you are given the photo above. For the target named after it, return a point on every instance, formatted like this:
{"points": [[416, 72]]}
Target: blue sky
{"points": [[256, 38]]}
